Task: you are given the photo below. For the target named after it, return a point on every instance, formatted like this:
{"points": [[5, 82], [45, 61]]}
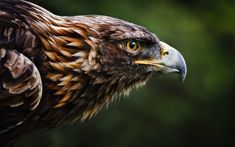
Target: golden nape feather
{"points": [[56, 69]]}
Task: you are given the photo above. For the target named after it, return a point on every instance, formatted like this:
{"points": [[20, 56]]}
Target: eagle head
{"points": [[130, 52]]}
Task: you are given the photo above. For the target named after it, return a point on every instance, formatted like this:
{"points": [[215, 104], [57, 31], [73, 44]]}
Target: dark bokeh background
{"points": [[165, 113]]}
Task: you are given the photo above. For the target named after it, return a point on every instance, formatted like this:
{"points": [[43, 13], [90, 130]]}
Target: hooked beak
{"points": [[170, 61]]}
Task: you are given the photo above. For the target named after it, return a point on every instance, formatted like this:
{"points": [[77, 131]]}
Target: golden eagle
{"points": [[56, 69]]}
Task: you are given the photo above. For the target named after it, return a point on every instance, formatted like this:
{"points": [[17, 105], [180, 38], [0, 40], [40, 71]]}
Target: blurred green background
{"points": [[165, 113]]}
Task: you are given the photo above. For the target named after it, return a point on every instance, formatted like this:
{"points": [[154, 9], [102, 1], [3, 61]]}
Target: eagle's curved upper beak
{"points": [[170, 61]]}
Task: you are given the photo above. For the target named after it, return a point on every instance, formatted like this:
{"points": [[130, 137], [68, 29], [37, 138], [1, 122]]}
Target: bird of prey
{"points": [[57, 69]]}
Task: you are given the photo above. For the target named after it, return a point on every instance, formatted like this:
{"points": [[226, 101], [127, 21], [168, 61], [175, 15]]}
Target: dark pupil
{"points": [[132, 44]]}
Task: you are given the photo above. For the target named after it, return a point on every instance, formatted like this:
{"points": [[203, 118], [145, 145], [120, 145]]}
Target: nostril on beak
{"points": [[165, 53]]}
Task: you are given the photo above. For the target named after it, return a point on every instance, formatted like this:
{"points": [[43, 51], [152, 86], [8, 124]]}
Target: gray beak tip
{"points": [[182, 68], [182, 76]]}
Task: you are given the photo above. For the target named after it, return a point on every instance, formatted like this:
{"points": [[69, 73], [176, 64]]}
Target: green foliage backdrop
{"points": [[164, 113]]}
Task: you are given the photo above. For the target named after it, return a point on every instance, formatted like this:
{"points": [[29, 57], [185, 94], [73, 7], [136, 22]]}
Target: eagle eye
{"points": [[132, 45]]}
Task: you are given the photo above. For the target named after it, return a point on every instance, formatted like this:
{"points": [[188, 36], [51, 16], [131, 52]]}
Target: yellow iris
{"points": [[132, 45]]}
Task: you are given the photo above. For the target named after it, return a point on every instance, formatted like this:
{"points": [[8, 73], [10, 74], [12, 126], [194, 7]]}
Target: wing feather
{"points": [[21, 59], [20, 88]]}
